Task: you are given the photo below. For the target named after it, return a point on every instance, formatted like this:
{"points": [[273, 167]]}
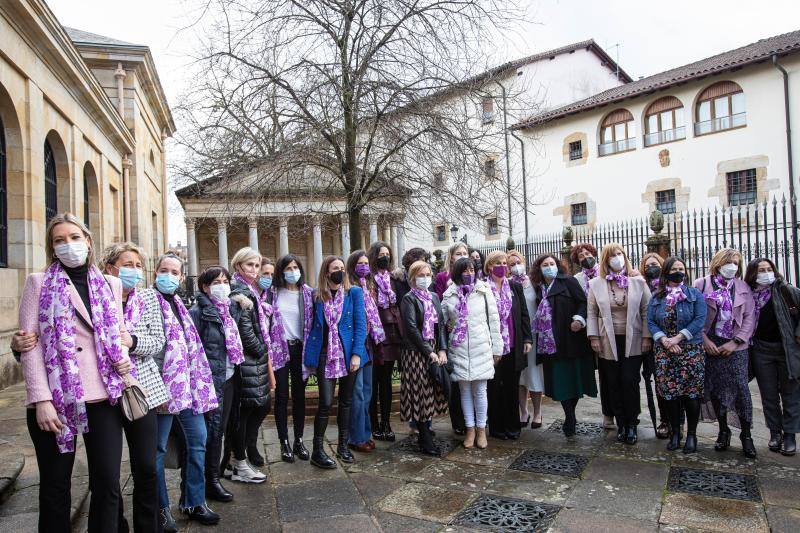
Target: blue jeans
{"points": [[360, 425], [193, 486]]}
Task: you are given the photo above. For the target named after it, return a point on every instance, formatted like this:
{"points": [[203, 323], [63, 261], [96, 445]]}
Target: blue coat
{"points": [[691, 315], [352, 329]]}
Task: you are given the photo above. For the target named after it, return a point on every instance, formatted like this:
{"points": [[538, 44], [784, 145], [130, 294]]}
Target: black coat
{"points": [[522, 326], [567, 299], [413, 311], [255, 368]]}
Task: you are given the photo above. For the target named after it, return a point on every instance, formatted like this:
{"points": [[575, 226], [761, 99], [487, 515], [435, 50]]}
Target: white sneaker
{"points": [[242, 471]]}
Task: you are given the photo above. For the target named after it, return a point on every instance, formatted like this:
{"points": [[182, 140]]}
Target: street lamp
{"points": [[454, 232]]}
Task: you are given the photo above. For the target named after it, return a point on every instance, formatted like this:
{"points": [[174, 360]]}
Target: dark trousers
{"points": [[454, 407], [293, 369], [503, 394], [216, 424], [103, 445], [245, 434], [381, 392], [777, 390], [142, 437], [622, 379], [326, 391], [606, 404]]}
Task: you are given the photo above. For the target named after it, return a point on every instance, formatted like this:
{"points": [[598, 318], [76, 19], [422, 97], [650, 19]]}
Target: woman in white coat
{"points": [[476, 344]]}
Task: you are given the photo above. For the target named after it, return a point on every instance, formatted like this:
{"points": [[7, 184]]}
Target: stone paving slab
{"points": [[459, 476], [318, 499], [357, 523], [581, 521], [425, 502], [374, 488], [627, 473], [617, 500], [783, 519], [496, 456], [780, 485], [390, 523], [545, 488], [713, 514]]}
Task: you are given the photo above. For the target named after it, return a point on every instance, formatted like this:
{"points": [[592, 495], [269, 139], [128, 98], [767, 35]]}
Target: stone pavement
{"points": [[543, 482]]}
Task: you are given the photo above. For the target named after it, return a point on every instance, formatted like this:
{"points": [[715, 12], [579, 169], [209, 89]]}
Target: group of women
{"points": [[483, 339]]}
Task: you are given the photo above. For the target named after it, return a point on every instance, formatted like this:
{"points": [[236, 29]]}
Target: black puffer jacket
{"points": [[255, 369]]}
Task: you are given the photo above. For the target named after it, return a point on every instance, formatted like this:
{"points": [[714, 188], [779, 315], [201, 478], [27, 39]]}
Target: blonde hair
{"points": [[242, 256], [112, 253], [648, 256], [605, 255], [492, 259], [451, 251], [323, 291], [515, 253], [66, 218], [724, 257], [414, 270]]}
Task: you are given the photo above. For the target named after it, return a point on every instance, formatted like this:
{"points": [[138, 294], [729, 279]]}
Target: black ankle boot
{"points": [[215, 490], [723, 438], [319, 458], [300, 450], [748, 448], [621, 432], [691, 443], [425, 440], [203, 514], [377, 432], [286, 452], [342, 451], [674, 441], [388, 434], [631, 435], [166, 521], [789, 445], [775, 441]]}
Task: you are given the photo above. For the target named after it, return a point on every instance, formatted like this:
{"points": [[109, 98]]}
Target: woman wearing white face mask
{"points": [[456, 252], [775, 352], [730, 322], [420, 398]]}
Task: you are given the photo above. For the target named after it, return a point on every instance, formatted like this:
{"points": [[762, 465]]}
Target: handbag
{"points": [[134, 399]]}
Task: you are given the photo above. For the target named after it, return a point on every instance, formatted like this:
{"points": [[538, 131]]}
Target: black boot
{"points": [[675, 436], [319, 458], [255, 458], [674, 441], [214, 489], [570, 421], [631, 435], [621, 431], [299, 449], [342, 451], [203, 514], [691, 443], [775, 441], [789, 444], [166, 521], [425, 440], [286, 452], [378, 433], [388, 434], [724, 435], [748, 448]]}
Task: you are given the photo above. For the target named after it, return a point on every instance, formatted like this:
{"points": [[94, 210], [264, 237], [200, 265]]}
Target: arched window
{"points": [[3, 199], [664, 121], [86, 199], [617, 133], [50, 183], [720, 107]]}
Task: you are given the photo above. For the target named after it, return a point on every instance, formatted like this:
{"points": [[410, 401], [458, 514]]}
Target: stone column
{"points": [[126, 197], [191, 237], [373, 229], [252, 225], [317, 242], [387, 233], [393, 242], [401, 241], [284, 236], [345, 222], [119, 74], [222, 239]]}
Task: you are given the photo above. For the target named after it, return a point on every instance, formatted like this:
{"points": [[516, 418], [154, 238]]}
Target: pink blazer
{"points": [[744, 324], [36, 384]]}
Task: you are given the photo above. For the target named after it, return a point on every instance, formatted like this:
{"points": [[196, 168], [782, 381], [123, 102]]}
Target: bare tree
{"points": [[347, 104]]}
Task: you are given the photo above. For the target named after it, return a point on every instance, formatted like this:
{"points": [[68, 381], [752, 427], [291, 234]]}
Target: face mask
{"points": [[220, 291], [728, 271], [466, 279], [130, 277], [500, 270], [423, 282], [518, 269], [652, 272], [362, 270], [588, 262], [336, 277], [292, 276], [72, 254], [765, 278], [265, 282], [167, 283], [478, 265], [550, 271], [617, 263], [459, 256], [383, 262], [676, 277]]}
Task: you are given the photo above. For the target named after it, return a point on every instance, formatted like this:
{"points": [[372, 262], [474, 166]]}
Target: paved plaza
{"points": [[542, 482]]}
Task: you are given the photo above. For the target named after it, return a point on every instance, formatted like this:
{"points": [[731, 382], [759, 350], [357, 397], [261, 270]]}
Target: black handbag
{"points": [[440, 375]]}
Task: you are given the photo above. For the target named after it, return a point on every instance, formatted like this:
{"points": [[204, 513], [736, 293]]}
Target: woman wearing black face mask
{"points": [[676, 316], [477, 261]]}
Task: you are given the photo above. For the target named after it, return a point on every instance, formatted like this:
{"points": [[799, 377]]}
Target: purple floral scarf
{"points": [[674, 295], [386, 296], [280, 348], [654, 283], [134, 309], [263, 309], [429, 318], [543, 325], [522, 280], [503, 299], [186, 373], [620, 277], [761, 296], [335, 366], [589, 275], [722, 297], [233, 343], [373, 318], [57, 336], [462, 308]]}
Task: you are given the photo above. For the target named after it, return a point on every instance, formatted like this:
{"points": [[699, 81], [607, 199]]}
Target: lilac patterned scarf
{"points": [[503, 299], [335, 366], [722, 297], [462, 308], [280, 348], [543, 325], [429, 318], [263, 308], [186, 373], [675, 295], [654, 283], [233, 343], [373, 318], [386, 296], [58, 331], [761, 296], [522, 280], [620, 277], [589, 275], [134, 309]]}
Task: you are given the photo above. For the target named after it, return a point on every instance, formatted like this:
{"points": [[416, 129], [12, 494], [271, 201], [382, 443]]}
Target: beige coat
{"points": [[599, 322]]}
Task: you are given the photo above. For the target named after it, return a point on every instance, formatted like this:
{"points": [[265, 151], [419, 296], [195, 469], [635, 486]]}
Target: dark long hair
{"points": [[662, 279], [278, 281], [372, 255], [458, 269], [413, 255], [536, 268], [210, 274], [751, 274], [350, 267]]}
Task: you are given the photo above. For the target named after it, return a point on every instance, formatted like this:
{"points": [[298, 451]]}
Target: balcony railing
{"points": [[665, 136], [720, 124], [617, 146]]}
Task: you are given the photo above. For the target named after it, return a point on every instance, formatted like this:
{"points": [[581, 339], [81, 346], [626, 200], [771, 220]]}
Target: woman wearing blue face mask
{"points": [[292, 306], [561, 342]]}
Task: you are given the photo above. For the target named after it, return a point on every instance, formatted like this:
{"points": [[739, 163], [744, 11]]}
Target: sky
{"points": [[651, 36]]}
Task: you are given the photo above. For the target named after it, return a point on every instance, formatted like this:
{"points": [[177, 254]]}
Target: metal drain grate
{"points": [[411, 445], [584, 429], [711, 483], [507, 514], [562, 464]]}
